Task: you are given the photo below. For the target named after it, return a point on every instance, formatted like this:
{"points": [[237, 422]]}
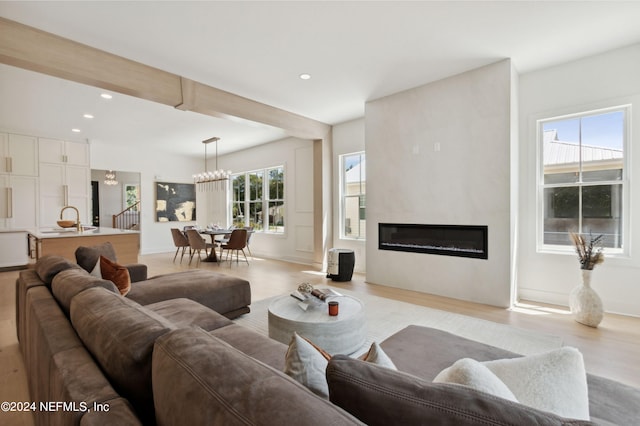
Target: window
{"points": [[583, 183], [247, 207], [353, 178]]}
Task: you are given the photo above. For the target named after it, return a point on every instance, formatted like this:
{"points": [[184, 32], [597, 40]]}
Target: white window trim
{"points": [[541, 247], [342, 196], [265, 200]]}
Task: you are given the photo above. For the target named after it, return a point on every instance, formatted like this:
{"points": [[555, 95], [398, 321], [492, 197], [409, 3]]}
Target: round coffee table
{"points": [[341, 334]]}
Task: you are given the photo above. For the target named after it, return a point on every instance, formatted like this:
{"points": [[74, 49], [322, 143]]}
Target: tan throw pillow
{"points": [[117, 274], [307, 363]]}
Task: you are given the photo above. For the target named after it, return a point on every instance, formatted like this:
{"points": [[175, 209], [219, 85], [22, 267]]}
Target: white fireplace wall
{"points": [[441, 154]]}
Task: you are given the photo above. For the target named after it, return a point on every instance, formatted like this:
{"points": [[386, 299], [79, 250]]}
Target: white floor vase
{"points": [[585, 304]]}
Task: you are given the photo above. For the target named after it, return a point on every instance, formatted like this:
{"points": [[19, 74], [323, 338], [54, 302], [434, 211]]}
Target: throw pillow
{"points": [[381, 397], [307, 363], [96, 272], [117, 274], [470, 372], [554, 381], [86, 257]]}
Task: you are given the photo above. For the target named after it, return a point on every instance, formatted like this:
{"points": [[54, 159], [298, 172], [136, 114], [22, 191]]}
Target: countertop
{"points": [[47, 233]]}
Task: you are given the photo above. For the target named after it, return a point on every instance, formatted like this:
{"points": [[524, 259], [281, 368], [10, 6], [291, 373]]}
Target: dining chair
{"points": [[197, 244], [237, 242], [249, 234], [180, 241]]}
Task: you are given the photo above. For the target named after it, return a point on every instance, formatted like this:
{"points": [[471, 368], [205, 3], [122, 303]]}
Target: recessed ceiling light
{"points": [[305, 76], [75, 130], [88, 116], [106, 96]]}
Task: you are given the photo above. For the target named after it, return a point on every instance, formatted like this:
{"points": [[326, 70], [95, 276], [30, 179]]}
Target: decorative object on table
{"points": [[585, 304], [333, 308]]}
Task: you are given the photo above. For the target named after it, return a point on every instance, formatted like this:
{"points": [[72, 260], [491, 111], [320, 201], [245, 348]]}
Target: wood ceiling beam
{"points": [[32, 49]]}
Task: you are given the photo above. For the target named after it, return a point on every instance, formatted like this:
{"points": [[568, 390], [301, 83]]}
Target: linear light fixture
{"points": [[207, 180]]}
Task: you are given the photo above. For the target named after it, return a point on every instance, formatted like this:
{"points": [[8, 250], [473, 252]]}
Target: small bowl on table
{"points": [[66, 223]]}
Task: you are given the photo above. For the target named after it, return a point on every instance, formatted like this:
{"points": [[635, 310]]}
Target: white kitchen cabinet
{"points": [[18, 155], [60, 186], [18, 181], [18, 202], [57, 151], [13, 248]]}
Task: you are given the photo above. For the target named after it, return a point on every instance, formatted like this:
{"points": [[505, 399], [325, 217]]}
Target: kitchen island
{"points": [[64, 242]]}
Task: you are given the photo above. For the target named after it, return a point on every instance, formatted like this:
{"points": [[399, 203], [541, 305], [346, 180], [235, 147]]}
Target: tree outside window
{"points": [[353, 191], [276, 199], [583, 177], [247, 207]]}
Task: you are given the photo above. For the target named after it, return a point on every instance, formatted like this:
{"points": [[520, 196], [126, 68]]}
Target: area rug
{"points": [[386, 317]]}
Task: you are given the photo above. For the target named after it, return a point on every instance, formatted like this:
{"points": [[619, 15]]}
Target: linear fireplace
{"points": [[449, 240]]}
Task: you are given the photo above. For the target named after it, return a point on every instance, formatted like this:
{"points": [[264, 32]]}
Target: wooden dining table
{"points": [[213, 257]]}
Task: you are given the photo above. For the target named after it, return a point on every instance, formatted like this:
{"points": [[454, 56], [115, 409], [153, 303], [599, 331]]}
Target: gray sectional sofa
{"points": [[169, 357]]}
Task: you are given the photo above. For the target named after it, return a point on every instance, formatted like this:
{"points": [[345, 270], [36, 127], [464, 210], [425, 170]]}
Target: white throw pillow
{"points": [[554, 381], [470, 372], [307, 363], [96, 271]]}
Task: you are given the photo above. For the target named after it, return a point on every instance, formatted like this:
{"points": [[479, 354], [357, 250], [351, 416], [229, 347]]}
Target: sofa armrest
{"points": [[137, 272]]}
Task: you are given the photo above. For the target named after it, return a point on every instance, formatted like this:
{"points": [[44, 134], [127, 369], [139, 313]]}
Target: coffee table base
{"points": [[342, 334]]}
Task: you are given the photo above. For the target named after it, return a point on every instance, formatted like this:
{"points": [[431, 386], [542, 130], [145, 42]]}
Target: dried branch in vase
{"points": [[589, 253]]}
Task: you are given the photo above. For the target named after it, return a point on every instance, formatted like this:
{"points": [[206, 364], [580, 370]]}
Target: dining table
{"points": [[213, 257]]}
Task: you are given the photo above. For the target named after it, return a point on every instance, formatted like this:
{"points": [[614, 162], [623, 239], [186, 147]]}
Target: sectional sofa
{"points": [[181, 361]]}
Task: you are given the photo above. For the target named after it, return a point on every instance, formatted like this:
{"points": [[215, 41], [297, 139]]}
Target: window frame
{"points": [[264, 199], [361, 196], [624, 182]]}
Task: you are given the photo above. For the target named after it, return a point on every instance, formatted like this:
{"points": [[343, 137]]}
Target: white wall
{"points": [[348, 138], [155, 236], [609, 79], [466, 182], [296, 155]]}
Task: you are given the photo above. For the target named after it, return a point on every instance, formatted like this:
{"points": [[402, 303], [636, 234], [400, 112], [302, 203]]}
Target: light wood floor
{"points": [[611, 350]]}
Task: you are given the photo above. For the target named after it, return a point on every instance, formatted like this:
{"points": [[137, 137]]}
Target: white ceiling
{"points": [[355, 51]]}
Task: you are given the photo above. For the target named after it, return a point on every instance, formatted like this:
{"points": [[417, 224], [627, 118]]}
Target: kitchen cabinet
{"points": [[18, 155], [13, 248], [61, 186], [65, 180], [18, 181], [18, 202], [63, 152]]}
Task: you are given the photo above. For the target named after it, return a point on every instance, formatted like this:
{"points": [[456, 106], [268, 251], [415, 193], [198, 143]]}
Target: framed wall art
{"points": [[175, 202]]}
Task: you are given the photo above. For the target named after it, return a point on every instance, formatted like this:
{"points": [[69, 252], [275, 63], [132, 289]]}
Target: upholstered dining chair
{"points": [[249, 234], [237, 242], [197, 244], [180, 241]]}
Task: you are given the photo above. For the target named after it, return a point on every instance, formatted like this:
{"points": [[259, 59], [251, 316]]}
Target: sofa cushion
{"points": [[48, 266], [381, 396], [116, 273], [469, 372], [87, 257], [68, 283], [187, 313], [120, 335], [256, 345], [199, 379], [220, 292]]}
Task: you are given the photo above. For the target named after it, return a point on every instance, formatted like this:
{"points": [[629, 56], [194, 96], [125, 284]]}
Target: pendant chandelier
{"points": [[110, 178], [207, 180]]}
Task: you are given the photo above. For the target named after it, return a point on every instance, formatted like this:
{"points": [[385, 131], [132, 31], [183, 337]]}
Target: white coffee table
{"points": [[341, 334]]}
